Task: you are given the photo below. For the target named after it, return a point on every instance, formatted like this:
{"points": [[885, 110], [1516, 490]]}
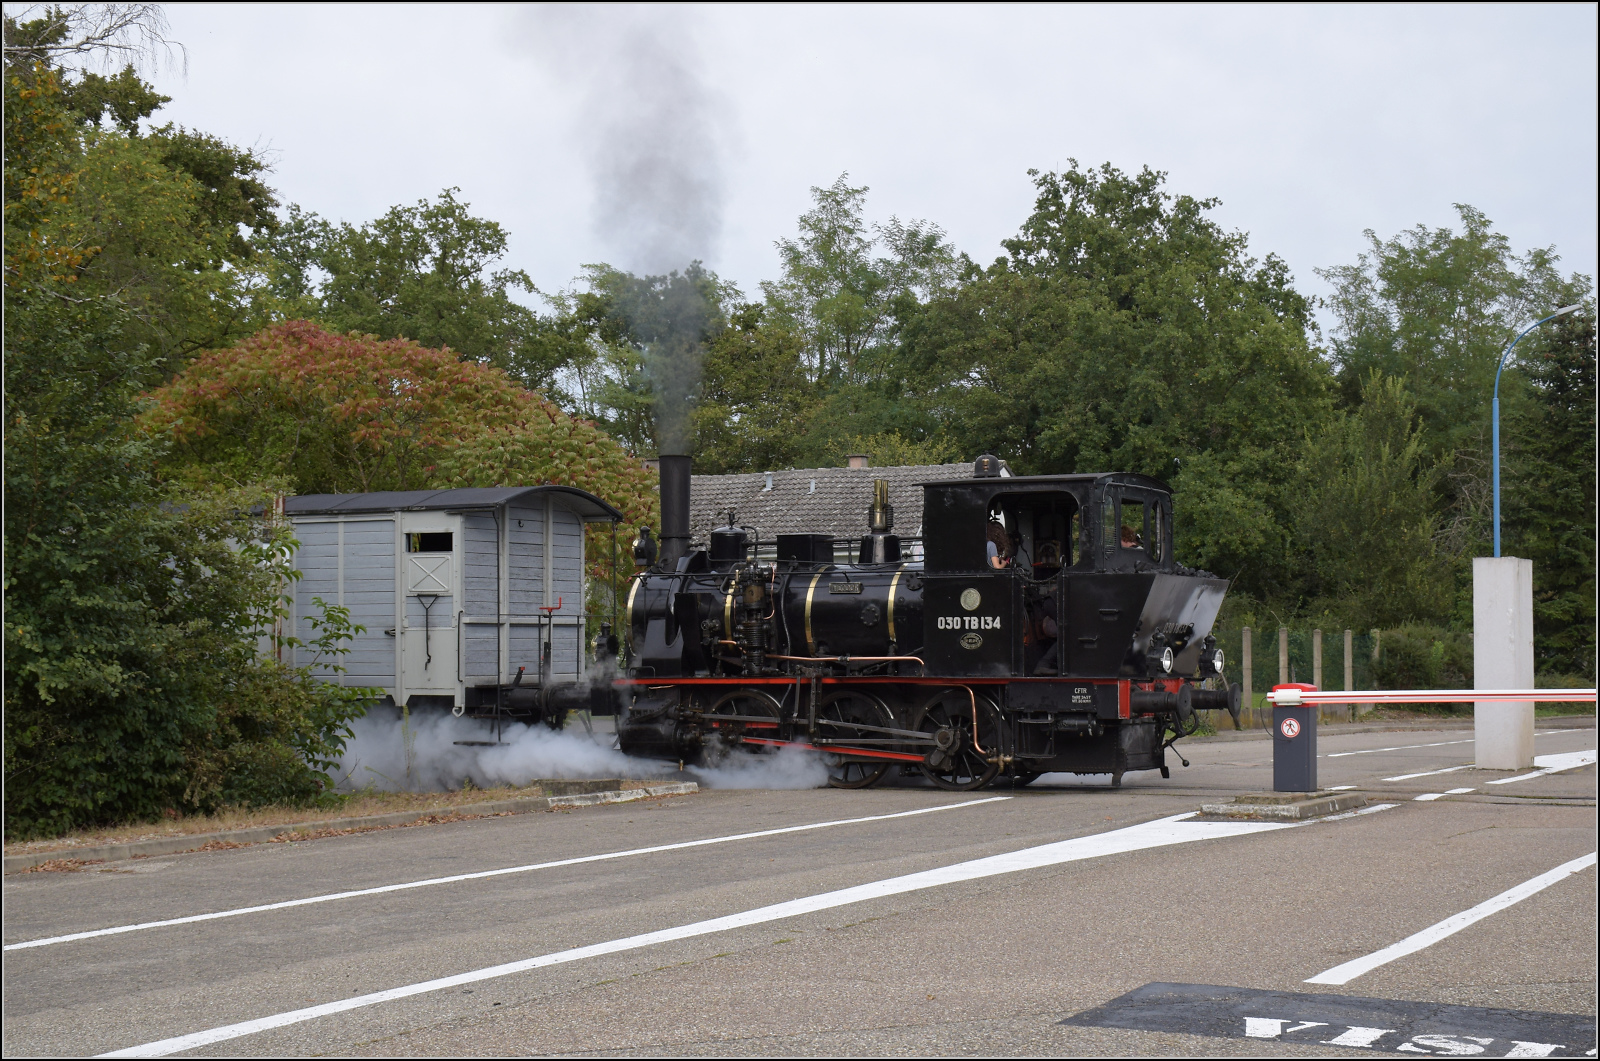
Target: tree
{"points": [[1549, 491], [154, 218], [1367, 516], [325, 413], [840, 298], [424, 273], [1126, 331], [637, 348], [1435, 308], [132, 607], [756, 398]]}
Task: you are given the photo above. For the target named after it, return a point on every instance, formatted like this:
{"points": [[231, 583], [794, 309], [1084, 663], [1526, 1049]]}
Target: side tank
{"points": [[684, 624], [852, 610]]}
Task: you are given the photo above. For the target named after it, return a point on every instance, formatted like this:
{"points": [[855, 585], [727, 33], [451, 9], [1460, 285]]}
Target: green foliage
{"points": [[1368, 517], [278, 731], [755, 398], [642, 343], [1420, 656], [841, 299], [338, 413], [1126, 331], [1548, 491], [132, 606], [424, 273], [1435, 308]]}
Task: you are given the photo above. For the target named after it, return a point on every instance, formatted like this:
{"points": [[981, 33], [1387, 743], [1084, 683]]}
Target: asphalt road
{"points": [[983, 965]]}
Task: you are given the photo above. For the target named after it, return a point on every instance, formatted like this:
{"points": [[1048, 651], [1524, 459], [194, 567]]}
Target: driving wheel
{"points": [[955, 761], [858, 720]]}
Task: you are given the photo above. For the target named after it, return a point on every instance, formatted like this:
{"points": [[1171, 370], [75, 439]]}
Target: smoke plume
{"points": [[652, 132], [649, 126]]}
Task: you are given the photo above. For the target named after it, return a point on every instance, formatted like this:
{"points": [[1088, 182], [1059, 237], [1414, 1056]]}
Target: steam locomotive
{"points": [[1045, 627]]}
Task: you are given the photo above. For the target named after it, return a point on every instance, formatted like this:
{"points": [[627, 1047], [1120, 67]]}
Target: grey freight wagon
{"points": [[457, 589]]}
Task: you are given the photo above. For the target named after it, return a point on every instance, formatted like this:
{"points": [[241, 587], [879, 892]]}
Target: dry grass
{"points": [[355, 806]]}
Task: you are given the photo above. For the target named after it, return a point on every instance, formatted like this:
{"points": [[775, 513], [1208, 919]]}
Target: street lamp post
{"points": [[1558, 313]]}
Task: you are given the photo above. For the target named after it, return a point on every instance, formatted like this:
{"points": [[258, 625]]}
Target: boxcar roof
{"points": [[588, 506]]}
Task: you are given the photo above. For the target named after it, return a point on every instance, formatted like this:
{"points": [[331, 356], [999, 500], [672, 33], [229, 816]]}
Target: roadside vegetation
{"points": [[182, 349]]}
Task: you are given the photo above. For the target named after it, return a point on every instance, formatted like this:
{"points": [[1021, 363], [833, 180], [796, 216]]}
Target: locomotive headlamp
{"points": [[1166, 660], [1216, 661]]}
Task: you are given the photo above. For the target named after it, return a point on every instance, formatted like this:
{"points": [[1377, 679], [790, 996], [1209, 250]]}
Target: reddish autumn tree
{"points": [[351, 414]]}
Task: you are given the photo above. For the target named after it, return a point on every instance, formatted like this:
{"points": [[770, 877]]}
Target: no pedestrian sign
{"points": [[1290, 728]]}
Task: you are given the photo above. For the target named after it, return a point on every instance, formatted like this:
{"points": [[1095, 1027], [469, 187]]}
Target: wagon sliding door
{"points": [[350, 563], [522, 582]]}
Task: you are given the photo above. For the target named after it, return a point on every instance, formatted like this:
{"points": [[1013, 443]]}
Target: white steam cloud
{"points": [[377, 756]]}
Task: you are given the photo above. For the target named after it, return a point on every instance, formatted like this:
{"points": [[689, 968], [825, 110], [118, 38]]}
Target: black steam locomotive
{"points": [[1046, 627]]}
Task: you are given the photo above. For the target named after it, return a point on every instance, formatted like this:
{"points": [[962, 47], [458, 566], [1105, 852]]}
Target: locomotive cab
{"points": [[1084, 582]]}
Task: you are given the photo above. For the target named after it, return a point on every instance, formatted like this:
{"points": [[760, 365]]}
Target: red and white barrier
{"points": [[1297, 695]]}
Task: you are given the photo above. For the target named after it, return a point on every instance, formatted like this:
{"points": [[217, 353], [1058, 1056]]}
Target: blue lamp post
{"points": [[1558, 313]]}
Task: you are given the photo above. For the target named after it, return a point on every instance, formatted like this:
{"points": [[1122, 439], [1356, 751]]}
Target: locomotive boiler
{"points": [[1043, 625]]}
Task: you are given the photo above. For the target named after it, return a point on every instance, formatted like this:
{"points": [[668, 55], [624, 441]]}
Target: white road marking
{"points": [[1426, 796], [1459, 791], [1341, 788], [1429, 773], [1358, 1037], [1397, 748], [1343, 974], [1159, 833], [1552, 764], [431, 881], [1375, 808]]}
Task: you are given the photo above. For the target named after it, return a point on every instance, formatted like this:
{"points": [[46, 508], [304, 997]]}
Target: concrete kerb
{"points": [[173, 845]]}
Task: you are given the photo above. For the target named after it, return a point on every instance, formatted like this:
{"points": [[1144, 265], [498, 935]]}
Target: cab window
{"points": [[1034, 533], [1131, 533]]}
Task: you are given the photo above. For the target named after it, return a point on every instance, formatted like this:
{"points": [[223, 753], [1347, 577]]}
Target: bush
{"points": [[1424, 657], [279, 730]]}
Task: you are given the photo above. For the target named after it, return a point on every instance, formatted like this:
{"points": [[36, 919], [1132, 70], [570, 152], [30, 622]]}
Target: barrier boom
{"points": [[1289, 697]]}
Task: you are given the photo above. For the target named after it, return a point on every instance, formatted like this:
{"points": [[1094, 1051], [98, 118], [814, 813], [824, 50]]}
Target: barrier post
{"points": [[1283, 655], [1502, 658], [1294, 740]]}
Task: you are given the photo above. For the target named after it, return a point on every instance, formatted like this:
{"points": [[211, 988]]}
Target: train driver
{"points": [[999, 546]]}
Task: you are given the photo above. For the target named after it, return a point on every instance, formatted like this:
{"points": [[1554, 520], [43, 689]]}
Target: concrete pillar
{"points": [[1246, 696], [1502, 658], [1350, 669], [1283, 655], [1316, 669]]}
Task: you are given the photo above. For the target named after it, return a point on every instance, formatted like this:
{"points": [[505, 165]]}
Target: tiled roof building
{"points": [[817, 500]]}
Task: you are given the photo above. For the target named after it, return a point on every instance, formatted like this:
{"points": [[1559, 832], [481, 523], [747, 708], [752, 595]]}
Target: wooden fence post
{"points": [[1245, 695]]}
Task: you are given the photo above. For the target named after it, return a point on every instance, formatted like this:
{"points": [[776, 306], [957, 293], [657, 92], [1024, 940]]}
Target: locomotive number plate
{"points": [[968, 622], [971, 640], [844, 587]]}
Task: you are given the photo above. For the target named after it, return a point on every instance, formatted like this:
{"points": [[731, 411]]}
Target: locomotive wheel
{"points": [[746, 703], [947, 718], [859, 708]]}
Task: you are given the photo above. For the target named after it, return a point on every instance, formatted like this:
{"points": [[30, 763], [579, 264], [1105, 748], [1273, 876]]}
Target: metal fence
{"points": [[1328, 659]]}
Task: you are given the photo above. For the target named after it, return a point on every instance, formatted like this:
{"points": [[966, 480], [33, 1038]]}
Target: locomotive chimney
{"points": [[674, 508]]}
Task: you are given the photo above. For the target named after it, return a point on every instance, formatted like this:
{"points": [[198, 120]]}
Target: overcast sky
{"points": [[640, 136]]}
